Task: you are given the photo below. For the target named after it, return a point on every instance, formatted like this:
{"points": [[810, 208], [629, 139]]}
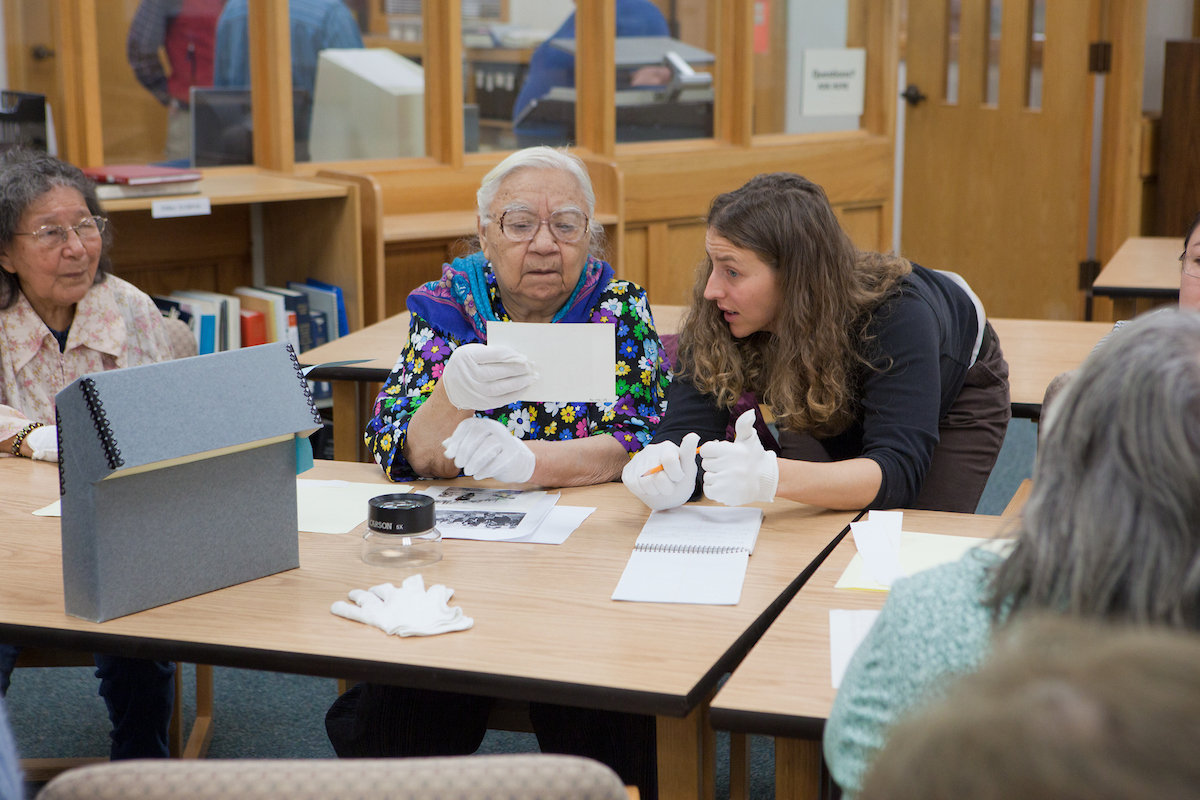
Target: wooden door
{"points": [[996, 180], [31, 40]]}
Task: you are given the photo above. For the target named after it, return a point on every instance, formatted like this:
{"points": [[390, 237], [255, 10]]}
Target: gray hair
{"points": [[1112, 528], [25, 176], [541, 157]]}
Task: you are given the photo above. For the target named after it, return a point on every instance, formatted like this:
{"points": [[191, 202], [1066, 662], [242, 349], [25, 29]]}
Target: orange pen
{"points": [[659, 468]]}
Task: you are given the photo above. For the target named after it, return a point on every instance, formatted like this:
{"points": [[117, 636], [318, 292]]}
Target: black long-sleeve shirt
{"points": [[921, 345]]}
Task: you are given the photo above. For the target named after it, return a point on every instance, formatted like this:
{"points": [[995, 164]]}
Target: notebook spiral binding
{"points": [[111, 452], [304, 384], [701, 549], [62, 482]]}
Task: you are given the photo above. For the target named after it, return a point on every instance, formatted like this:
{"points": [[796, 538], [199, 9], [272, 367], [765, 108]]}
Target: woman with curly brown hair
{"points": [[888, 385]]}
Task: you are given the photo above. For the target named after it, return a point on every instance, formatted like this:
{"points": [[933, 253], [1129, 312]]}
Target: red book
{"points": [[254, 328], [140, 174]]}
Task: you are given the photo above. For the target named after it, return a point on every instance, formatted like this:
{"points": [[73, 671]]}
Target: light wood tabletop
{"points": [[1039, 349], [545, 628], [1144, 266], [783, 688], [1036, 351]]}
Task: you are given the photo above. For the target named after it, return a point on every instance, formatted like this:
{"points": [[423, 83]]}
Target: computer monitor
{"points": [[223, 128], [23, 120], [368, 103]]}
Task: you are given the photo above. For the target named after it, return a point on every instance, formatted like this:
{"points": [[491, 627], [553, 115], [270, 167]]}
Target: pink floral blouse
{"points": [[116, 325]]}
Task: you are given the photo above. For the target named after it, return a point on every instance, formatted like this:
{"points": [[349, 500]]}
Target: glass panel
{"points": [[802, 50], [1033, 61], [953, 24], [32, 66], [664, 57], [509, 63], [991, 76]]}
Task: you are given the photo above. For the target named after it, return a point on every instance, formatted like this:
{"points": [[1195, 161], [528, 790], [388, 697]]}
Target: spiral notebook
{"points": [[691, 554]]}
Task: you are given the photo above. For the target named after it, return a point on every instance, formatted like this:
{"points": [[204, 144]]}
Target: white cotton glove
{"points": [[43, 442], [482, 376], [741, 471], [407, 611], [674, 483], [483, 448]]}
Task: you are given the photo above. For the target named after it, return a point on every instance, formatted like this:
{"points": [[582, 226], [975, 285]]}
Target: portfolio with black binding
{"points": [[179, 478]]}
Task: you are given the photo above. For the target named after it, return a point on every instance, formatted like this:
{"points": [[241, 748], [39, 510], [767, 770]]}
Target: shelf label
{"points": [[191, 207]]}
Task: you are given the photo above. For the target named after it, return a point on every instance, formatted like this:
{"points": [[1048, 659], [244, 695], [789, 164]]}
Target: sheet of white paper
{"points": [[336, 506], [881, 561], [919, 552], [847, 629], [488, 525], [891, 522], [575, 363], [703, 578], [559, 524], [52, 510]]}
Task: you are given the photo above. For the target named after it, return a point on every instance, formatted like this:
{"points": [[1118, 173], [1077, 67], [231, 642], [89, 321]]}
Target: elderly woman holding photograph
{"points": [[62, 316], [453, 401]]}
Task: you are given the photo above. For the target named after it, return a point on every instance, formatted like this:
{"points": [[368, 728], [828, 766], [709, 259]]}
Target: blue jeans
{"points": [[139, 695]]}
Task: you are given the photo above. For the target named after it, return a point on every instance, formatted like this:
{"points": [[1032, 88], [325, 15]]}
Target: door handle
{"points": [[41, 52], [913, 95]]}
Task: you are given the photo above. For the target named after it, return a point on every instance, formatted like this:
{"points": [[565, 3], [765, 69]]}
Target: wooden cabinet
{"points": [[264, 228]]}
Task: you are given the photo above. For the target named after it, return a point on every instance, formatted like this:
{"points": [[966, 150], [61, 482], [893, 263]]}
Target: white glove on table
{"points": [[407, 611], [741, 471], [481, 376], [483, 448], [43, 442], [674, 483]]}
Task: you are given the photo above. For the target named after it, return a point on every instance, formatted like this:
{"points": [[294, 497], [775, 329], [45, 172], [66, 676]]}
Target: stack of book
{"points": [[306, 315], [142, 180]]}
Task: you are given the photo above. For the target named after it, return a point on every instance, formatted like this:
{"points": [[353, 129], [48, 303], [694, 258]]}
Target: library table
{"points": [[783, 687], [1036, 351], [1039, 349], [545, 628], [1142, 267]]}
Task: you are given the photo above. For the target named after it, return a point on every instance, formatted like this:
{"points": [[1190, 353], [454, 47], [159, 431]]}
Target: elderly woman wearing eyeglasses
{"points": [[61, 314], [453, 401]]}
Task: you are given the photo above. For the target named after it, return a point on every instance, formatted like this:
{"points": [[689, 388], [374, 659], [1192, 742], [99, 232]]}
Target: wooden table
{"points": [[1037, 350], [1143, 267], [545, 628], [783, 687]]}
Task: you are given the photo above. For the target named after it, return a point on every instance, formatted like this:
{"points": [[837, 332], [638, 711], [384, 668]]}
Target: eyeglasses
{"points": [[56, 235], [1191, 266], [567, 226]]}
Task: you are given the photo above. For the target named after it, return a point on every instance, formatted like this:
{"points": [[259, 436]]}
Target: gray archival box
{"points": [[179, 478]]}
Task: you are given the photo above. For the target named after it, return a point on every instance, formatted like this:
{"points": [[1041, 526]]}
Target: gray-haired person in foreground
{"points": [[1064, 710], [1111, 531]]}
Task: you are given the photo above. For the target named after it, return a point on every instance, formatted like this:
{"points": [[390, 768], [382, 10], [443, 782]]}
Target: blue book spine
{"points": [[321, 390], [208, 334], [343, 323]]}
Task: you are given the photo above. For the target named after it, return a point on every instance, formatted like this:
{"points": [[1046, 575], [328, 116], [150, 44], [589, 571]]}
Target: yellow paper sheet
{"points": [[919, 552]]}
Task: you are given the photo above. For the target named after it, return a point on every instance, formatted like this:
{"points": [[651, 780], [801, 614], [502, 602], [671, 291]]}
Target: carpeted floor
{"points": [[56, 712]]}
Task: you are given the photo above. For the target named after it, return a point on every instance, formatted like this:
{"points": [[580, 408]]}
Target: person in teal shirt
{"points": [[1111, 531]]}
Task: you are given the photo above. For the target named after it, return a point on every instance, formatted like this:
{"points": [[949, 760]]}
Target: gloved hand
{"points": [[483, 448], [407, 611], [480, 376], [674, 483], [43, 442], [741, 471]]}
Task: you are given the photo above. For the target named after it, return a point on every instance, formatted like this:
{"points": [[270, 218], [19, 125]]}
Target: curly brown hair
{"points": [[806, 369]]}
